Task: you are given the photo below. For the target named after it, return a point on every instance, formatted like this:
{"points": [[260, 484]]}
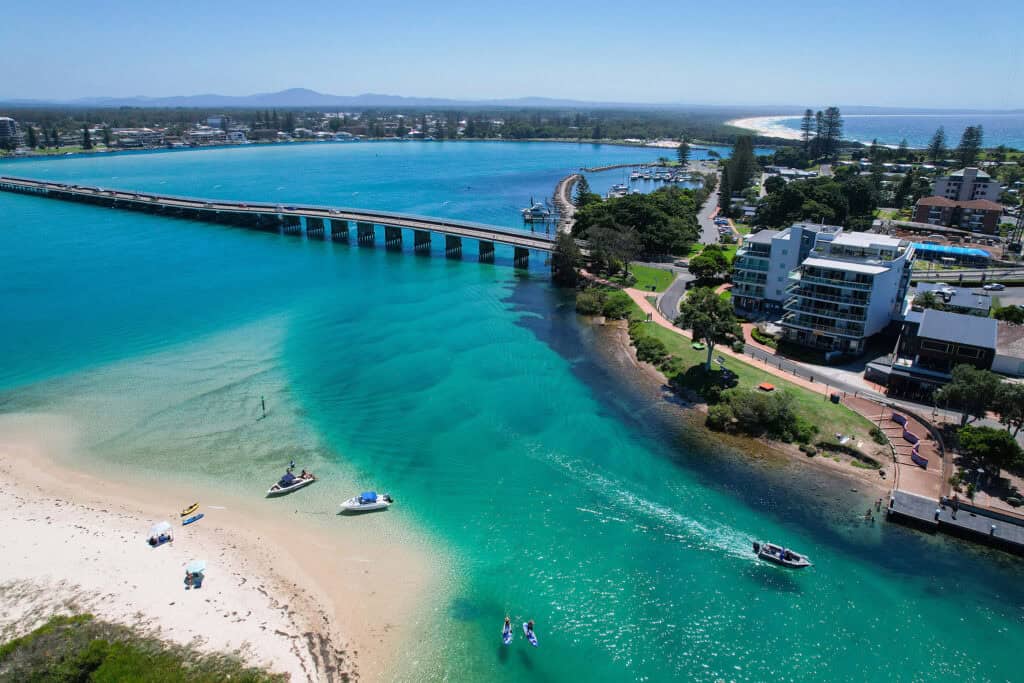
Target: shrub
{"points": [[719, 417], [809, 450], [878, 436], [650, 349], [738, 346], [762, 338], [755, 413], [590, 302], [616, 305]]}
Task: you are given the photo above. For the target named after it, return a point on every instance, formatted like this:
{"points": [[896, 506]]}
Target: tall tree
{"points": [[54, 137], [996, 448], [833, 130], [1010, 402], [683, 154], [807, 130], [937, 145], [970, 146], [31, 140], [742, 163], [583, 194], [710, 318], [971, 391], [106, 136], [819, 134], [565, 260], [903, 189], [902, 151], [725, 192], [86, 140]]}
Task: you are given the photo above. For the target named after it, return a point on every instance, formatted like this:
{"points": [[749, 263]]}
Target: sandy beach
{"points": [[768, 126], [286, 596]]}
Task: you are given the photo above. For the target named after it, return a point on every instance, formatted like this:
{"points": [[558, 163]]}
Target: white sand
{"points": [[768, 126], [73, 542]]}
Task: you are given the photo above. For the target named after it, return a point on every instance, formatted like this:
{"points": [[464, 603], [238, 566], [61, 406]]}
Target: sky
{"points": [[912, 53]]}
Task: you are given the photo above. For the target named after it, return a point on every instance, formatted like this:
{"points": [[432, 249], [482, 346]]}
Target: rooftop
{"points": [[1010, 340], [851, 266], [958, 298], [958, 328], [952, 251], [818, 227], [971, 204], [762, 237], [866, 239], [981, 175]]}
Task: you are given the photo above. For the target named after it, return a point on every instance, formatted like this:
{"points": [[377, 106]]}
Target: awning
{"points": [[159, 528]]}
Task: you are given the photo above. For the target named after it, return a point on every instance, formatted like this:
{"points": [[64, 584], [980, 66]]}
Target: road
{"points": [[708, 229]]}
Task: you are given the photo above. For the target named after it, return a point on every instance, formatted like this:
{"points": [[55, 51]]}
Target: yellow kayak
{"points": [[190, 509]]}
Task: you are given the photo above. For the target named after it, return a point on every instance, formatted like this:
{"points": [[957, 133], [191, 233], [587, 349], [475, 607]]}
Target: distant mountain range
{"points": [[304, 97]]}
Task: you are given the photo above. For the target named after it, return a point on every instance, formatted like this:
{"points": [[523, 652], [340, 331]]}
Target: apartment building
{"points": [[966, 185], [764, 260], [10, 134], [846, 290], [976, 215]]}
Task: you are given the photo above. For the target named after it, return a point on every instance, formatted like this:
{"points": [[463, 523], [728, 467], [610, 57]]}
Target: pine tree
{"points": [[683, 153], [31, 135], [970, 146], [86, 140], [742, 163], [819, 133], [807, 130], [725, 193], [937, 146], [106, 136], [904, 189], [582, 190], [54, 138], [833, 130], [902, 151]]}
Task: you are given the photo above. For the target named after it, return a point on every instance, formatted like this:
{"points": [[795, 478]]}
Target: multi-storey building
{"points": [[10, 134], [763, 263], [967, 184], [976, 215], [847, 289]]}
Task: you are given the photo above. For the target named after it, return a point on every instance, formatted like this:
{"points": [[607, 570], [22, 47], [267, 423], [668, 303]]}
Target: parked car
{"points": [[994, 287]]}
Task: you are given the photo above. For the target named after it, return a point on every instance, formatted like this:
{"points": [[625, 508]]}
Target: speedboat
{"points": [[536, 212], [367, 501], [779, 555], [289, 482]]}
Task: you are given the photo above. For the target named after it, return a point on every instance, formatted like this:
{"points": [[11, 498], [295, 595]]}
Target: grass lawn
{"points": [[647, 276], [689, 369], [742, 228]]}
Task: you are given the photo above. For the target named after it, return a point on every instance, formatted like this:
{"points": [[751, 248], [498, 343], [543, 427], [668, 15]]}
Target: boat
{"points": [[779, 555], [635, 175], [537, 212], [289, 482], [367, 501], [190, 509]]}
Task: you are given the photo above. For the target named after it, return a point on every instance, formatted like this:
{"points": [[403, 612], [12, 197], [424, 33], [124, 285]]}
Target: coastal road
{"points": [[708, 229], [668, 302]]}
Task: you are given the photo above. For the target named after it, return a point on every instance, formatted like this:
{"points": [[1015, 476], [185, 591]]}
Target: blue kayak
{"points": [[193, 518]]}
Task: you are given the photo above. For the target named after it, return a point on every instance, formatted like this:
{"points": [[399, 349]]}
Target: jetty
{"points": [[563, 201], [312, 221], [958, 518]]}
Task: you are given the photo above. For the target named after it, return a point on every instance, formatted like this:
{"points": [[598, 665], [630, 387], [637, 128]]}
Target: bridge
{"points": [[315, 222]]}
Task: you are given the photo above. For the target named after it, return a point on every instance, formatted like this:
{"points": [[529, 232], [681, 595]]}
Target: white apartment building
{"points": [[765, 259], [846, 290], [967, 184]]}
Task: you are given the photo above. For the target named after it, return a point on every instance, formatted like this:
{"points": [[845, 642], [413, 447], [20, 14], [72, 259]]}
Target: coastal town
{"points": [[527, 355]]}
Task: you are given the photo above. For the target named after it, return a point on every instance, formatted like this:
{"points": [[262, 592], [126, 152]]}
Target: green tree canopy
{"points": [[1010, 404], [970, 145], [665, 220], [995, 448], [683, 153], [937, 145], [565, 260], [971, 391], [710, 318]]}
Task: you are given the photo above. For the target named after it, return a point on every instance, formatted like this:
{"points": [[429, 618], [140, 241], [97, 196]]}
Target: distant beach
{"points": [[768, 126]]}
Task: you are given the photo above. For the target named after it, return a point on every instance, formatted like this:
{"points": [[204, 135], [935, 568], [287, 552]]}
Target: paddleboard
{"points": [[193, 518], [506, 634], [532, 637]]}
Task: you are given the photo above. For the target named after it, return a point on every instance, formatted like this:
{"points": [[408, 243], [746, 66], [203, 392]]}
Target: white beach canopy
{"points": [[159, 528], [196, 567]]}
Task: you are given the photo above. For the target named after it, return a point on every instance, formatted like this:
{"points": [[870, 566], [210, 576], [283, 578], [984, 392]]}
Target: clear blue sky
{"points": [[894, 52]]}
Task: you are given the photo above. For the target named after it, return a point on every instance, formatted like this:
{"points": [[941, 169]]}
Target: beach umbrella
{"points": [[196, 567], [159, 528]]}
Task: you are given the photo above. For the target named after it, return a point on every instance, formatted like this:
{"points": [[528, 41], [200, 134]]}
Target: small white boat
{"points": [[367, 501], [536, 213], [779, 555], [289, 482]]}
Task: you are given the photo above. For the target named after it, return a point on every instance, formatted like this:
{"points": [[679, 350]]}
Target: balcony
{"points": [[797, 320], [756, 253], [746, 263], [750, 277], [808, 292], [798, 304], [829, 281]]}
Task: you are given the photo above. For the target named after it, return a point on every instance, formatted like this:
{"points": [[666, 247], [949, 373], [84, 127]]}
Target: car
{"points": [[994, 287]]}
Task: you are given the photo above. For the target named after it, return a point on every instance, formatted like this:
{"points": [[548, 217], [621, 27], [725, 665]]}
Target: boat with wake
{"points": [[781, 556]]}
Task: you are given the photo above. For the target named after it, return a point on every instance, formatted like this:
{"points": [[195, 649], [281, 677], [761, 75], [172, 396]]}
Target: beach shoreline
{"points": [[767, 126], [284, 595]]}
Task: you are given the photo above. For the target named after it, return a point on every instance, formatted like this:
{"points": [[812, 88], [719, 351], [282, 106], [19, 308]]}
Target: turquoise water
{"points": [[553, 484]]}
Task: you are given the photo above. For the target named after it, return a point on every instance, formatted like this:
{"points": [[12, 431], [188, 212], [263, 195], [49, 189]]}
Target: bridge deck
{"points": [[468, 229]]}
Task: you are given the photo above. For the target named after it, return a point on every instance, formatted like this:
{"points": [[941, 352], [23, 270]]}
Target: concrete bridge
{"points": [[316, 222]]}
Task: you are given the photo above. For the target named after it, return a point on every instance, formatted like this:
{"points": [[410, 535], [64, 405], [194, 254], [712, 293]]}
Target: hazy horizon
{"points": [[872, 54]]}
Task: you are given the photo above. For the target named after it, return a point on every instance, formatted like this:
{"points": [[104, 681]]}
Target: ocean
{"points": [[918, 129], [552, 480]]}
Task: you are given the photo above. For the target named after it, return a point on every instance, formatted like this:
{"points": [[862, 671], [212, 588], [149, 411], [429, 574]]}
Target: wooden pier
{"points": [[313, 221]]}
